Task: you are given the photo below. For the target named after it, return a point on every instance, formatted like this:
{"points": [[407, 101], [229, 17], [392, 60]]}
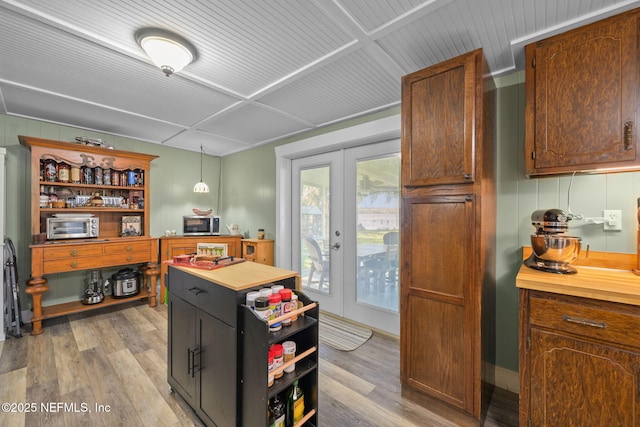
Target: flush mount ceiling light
{"points": [[167, 50], [201, 187]]}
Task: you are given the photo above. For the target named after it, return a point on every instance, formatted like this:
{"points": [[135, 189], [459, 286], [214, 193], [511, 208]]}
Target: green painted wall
{"points": [[248, 198]]}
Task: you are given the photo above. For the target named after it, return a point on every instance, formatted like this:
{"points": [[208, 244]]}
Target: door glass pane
{"points": [[314, 228], [377, 235]]}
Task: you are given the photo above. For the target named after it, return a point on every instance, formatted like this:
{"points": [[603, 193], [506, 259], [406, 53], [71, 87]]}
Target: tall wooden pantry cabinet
{"points": [[447, 309]]}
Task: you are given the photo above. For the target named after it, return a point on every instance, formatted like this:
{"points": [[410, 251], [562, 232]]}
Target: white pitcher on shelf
{"points": [[234, 229]]}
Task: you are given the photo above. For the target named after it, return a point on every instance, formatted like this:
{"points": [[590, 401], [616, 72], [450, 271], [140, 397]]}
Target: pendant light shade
{"points": [[170, 52], [201, 187]]}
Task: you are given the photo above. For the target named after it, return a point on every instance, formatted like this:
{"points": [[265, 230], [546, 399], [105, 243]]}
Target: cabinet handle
{"points": [[189, 362], [74, 264], [628, 135], [74, 252], [195, 290], [129, 258], [194, 353], [584, 322], [467, 177], [129, 248]]}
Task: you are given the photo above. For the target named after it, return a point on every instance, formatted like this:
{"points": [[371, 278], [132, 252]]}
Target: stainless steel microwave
{"points": [[72, 227], [200, 225]]}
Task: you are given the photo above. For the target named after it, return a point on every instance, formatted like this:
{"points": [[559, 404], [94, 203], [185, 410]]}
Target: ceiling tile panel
{"points": [[211, 144], [371, 14], [349, 86], [253, 124], [60, 63], [31, 104]]}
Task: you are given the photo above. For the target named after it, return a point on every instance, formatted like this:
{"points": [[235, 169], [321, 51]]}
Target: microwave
{"points": [[72, 227], [200, 225]]}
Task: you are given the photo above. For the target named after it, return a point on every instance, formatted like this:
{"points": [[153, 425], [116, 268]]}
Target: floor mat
{"points": [[340, 334]]}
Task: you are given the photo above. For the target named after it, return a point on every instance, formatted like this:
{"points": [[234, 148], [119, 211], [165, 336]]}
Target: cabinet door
{"points": [[440, 329], [182, 344], [581, 98], [438, 105], [576, 383], [218, 374]]}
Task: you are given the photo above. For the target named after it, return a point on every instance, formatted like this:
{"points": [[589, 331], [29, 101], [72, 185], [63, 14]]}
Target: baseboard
{"points": [[507, 379]]}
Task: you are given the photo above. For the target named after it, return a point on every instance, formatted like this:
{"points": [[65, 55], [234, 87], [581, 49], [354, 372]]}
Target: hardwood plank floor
{"points": [[109, 368]]}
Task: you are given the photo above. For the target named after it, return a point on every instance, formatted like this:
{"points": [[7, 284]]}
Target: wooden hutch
{"points": [[112, 247]]}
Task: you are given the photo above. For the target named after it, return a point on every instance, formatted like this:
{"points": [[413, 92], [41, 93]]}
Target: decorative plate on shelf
{"points": [[202, 212]]}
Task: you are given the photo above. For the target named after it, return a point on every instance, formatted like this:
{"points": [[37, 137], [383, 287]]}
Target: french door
{"points": [[345, 227]]}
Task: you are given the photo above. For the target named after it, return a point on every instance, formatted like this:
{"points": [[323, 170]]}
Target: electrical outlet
{"points": [[612, 220]]}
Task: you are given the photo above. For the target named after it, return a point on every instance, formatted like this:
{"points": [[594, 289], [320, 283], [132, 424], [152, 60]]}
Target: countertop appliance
{"points": [[72, 226], [94, 293], [200, 225], [553, 251], [125, 283]]}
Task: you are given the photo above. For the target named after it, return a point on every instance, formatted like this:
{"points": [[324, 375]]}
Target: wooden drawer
{"points": [[127, 247], [613, 323], [85, 263], [73, 251], [213, 299]]}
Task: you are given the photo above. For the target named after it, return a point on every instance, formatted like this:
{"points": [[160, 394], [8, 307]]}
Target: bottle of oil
{"points": [[295, 404], [278, 411]]}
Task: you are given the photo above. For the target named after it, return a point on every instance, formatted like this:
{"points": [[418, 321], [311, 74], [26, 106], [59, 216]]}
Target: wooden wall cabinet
{"points": [[111, 248], [171, 246], [448, 236], [258, 250], [580, 361], [582, 94]]}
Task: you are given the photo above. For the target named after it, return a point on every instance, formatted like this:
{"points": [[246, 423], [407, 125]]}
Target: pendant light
{"points": [[170, 52], [201, 187]]}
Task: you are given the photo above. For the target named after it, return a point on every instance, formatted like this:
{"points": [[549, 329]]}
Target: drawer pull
{"points": [[195, 290], [129, 248], [129, 258], [584, 322], [74, 252], [74, 264]]}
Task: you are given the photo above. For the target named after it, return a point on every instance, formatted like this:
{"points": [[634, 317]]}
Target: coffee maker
{"points": [[94, 293], [553, 251]]}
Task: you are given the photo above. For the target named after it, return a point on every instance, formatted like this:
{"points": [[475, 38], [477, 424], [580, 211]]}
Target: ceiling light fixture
{"points": [[201, 187], [167, 50]]}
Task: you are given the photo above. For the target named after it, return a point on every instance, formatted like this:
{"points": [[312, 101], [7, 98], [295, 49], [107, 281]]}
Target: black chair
{"points": [[319, 262]]}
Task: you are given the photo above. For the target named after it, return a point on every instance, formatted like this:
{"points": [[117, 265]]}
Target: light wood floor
{"points": [[109, 368]]}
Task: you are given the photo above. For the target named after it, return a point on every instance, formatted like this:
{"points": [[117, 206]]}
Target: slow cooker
{"points": [[125, 283]]}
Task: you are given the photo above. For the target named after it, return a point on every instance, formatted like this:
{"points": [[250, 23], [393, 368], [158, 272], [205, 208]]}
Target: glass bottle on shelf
{"points": [[50, 170], [106, 176], [75, 174], [97, 175], [44, 197], [295, 404], [53, 197], [87, 175], [115, 177], [278, 411], [63, 172]]}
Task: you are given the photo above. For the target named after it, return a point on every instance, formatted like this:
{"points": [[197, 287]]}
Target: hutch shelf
{"points": [[71, 178]]}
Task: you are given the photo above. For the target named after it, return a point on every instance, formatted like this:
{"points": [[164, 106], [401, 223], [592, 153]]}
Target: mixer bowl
{"points": [[555, 248]]}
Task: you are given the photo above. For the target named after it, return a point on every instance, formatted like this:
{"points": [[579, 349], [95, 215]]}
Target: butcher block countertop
{"points": [[601, 275], [244, 275]]}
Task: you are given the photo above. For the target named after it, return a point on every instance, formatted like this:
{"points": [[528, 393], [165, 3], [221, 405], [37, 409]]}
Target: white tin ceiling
{"points": [[266, 69]]}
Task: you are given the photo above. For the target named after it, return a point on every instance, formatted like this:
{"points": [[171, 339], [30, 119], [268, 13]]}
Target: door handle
{"points": [[335, 246]]}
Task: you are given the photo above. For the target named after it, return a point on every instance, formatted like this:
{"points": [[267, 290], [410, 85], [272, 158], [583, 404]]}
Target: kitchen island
{"points": [[218, 348], [579, 344]]}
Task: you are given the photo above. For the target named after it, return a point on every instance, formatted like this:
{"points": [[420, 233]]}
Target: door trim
{"points": [[375, 131]]}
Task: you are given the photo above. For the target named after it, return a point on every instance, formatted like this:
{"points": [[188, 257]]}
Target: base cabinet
{"points": [[580, 361]]}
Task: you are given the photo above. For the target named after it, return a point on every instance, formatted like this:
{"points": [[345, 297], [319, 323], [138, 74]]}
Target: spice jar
{"points": [[285, 305], [278, 360], [270, 377], [288, 354], [275, 301], [63, 172], [262, 308], [251, 296], [295, 304]]}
